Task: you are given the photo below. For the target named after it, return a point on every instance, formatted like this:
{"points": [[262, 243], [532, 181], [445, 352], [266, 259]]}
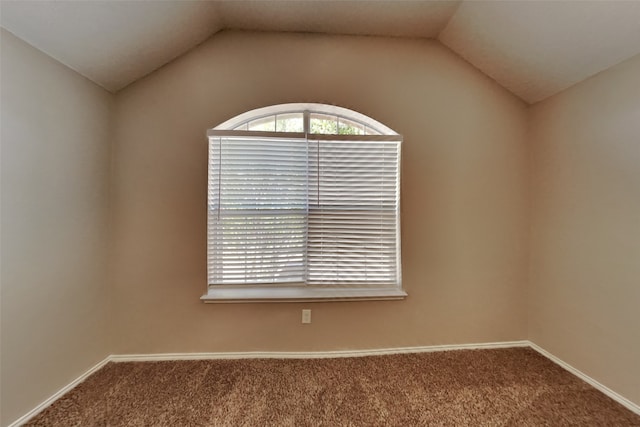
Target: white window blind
{"points": [[353, 212], [322, 211], [257, 210]]}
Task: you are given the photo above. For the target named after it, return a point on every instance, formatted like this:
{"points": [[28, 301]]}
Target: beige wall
{"points": [[584, 296], [464, 195], [55, 159]]}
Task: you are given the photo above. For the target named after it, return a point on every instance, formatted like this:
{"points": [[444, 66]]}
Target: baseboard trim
{"points": [[586, 378], [42, 406], [311, 355]]}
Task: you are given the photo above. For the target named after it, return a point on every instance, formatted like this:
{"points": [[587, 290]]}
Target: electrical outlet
{"points": [[306, 316]]}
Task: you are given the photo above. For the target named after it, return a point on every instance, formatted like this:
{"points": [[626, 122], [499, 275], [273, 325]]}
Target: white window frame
{"points": [[296, 292]]}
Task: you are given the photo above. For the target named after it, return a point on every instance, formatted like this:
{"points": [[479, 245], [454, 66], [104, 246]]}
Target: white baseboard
{"points": [[42, 406], [311, 355], [586, 378], [323, 354]]}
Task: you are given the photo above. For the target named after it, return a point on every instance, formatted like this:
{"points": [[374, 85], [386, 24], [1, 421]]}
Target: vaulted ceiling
{"points": [[533, 48]]}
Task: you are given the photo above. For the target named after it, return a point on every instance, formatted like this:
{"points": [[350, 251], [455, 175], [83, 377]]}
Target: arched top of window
{"points": [[306, 118]]}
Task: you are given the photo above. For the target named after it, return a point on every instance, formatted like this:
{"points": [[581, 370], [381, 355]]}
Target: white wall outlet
{"points": [[306, 316]]}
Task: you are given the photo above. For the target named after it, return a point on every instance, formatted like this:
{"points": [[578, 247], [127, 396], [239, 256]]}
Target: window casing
{"points": [[311, 215]]}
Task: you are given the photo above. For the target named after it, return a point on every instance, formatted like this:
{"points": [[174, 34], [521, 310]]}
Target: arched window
{"points": [[310, 118], [303, 204]]}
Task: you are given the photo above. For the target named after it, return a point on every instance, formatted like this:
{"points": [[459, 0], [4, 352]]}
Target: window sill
{"points": [[223, 294]]}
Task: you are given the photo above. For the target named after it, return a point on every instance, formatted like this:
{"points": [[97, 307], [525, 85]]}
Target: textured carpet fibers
{"points": [[505, 387]]}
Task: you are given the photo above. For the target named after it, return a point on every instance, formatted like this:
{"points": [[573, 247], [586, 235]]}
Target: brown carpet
{"points": [[506, 387]]}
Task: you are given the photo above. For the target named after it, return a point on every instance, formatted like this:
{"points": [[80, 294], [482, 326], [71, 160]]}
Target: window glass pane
{"points": [[244, 126], [324, 124], [289, 122], [349, 127], [267, 124]]}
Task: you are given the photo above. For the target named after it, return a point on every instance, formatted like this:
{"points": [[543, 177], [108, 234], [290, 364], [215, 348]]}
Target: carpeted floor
{"points": [[506, 387]]}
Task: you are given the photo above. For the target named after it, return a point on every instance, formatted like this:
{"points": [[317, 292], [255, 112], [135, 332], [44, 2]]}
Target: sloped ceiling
{"points": [[534, 49], [112, 43], [538, 48]]}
